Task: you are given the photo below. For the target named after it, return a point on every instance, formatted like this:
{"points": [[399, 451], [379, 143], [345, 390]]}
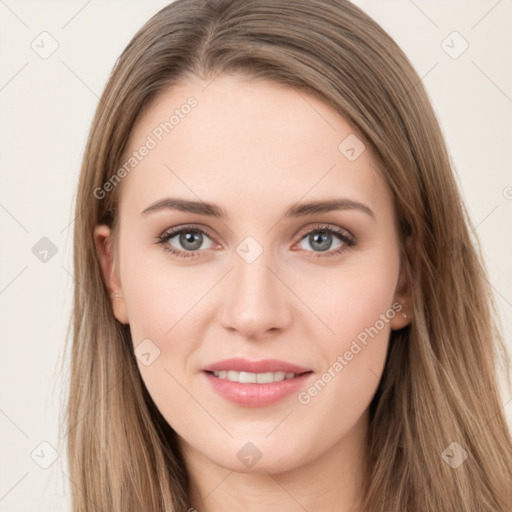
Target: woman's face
{"points": [[263, 270]]}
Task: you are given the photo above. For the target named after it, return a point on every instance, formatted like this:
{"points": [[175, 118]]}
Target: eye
{"points": [[189, 239], [321, 240]]}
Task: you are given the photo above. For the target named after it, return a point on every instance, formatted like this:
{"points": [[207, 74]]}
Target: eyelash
{"points": [[348, 240]]}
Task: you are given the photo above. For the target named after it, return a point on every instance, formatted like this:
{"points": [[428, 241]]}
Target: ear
{"points": [[402, 302], [102, 240]]}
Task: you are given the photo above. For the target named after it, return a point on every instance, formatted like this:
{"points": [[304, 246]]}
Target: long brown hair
{"points": [[439, 385]]}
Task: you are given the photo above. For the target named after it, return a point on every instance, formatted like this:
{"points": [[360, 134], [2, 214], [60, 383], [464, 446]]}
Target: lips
{"points": [[255, 383]]}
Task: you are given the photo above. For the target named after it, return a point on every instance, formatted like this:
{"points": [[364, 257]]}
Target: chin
{"points": [[258, 456]]}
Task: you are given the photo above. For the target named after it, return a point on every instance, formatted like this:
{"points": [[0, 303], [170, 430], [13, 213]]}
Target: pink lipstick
{"points": [[255, 383]]}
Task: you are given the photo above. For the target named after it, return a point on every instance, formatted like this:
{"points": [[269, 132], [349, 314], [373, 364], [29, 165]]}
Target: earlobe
{"points": [[401, 318], [102, 234]]}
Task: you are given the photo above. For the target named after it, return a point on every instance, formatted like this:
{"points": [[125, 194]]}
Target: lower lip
{"points": [[256, 395]]}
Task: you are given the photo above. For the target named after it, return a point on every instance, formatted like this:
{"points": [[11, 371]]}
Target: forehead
{"points": [[244, 143]]}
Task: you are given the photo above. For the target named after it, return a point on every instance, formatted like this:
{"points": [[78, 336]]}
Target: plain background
{"points": [[46, 109]]}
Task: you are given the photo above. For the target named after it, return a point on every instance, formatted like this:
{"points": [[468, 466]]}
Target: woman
{"points": [[277, 303]]}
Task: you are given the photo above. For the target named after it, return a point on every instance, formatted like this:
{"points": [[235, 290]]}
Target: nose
{"points": [[257, 302]]}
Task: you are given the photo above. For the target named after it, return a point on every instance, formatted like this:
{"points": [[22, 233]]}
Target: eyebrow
{"points": [[297, 210]]}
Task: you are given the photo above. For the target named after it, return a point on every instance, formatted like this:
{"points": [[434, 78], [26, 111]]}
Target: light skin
{"points": [[256, 149]]}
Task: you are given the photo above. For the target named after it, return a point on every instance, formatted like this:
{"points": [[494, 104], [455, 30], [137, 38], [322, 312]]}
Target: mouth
{"points": [[255, 383]]}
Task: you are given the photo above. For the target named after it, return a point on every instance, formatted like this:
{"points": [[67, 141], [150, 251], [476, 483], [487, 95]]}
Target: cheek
{"points": [[163, 304], [357, 307], [159, 294], [354, 296]]}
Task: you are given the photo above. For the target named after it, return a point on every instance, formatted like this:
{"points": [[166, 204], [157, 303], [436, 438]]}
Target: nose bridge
{"points": [[256, 301]]}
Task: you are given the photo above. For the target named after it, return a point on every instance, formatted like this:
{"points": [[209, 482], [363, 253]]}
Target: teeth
{"points": [[249, 377]]}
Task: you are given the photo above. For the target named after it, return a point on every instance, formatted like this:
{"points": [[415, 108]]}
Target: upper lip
{"points": [[262, 366]]}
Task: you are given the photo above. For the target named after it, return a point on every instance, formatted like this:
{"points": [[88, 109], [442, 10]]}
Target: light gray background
{"points": [[46, 109]]}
